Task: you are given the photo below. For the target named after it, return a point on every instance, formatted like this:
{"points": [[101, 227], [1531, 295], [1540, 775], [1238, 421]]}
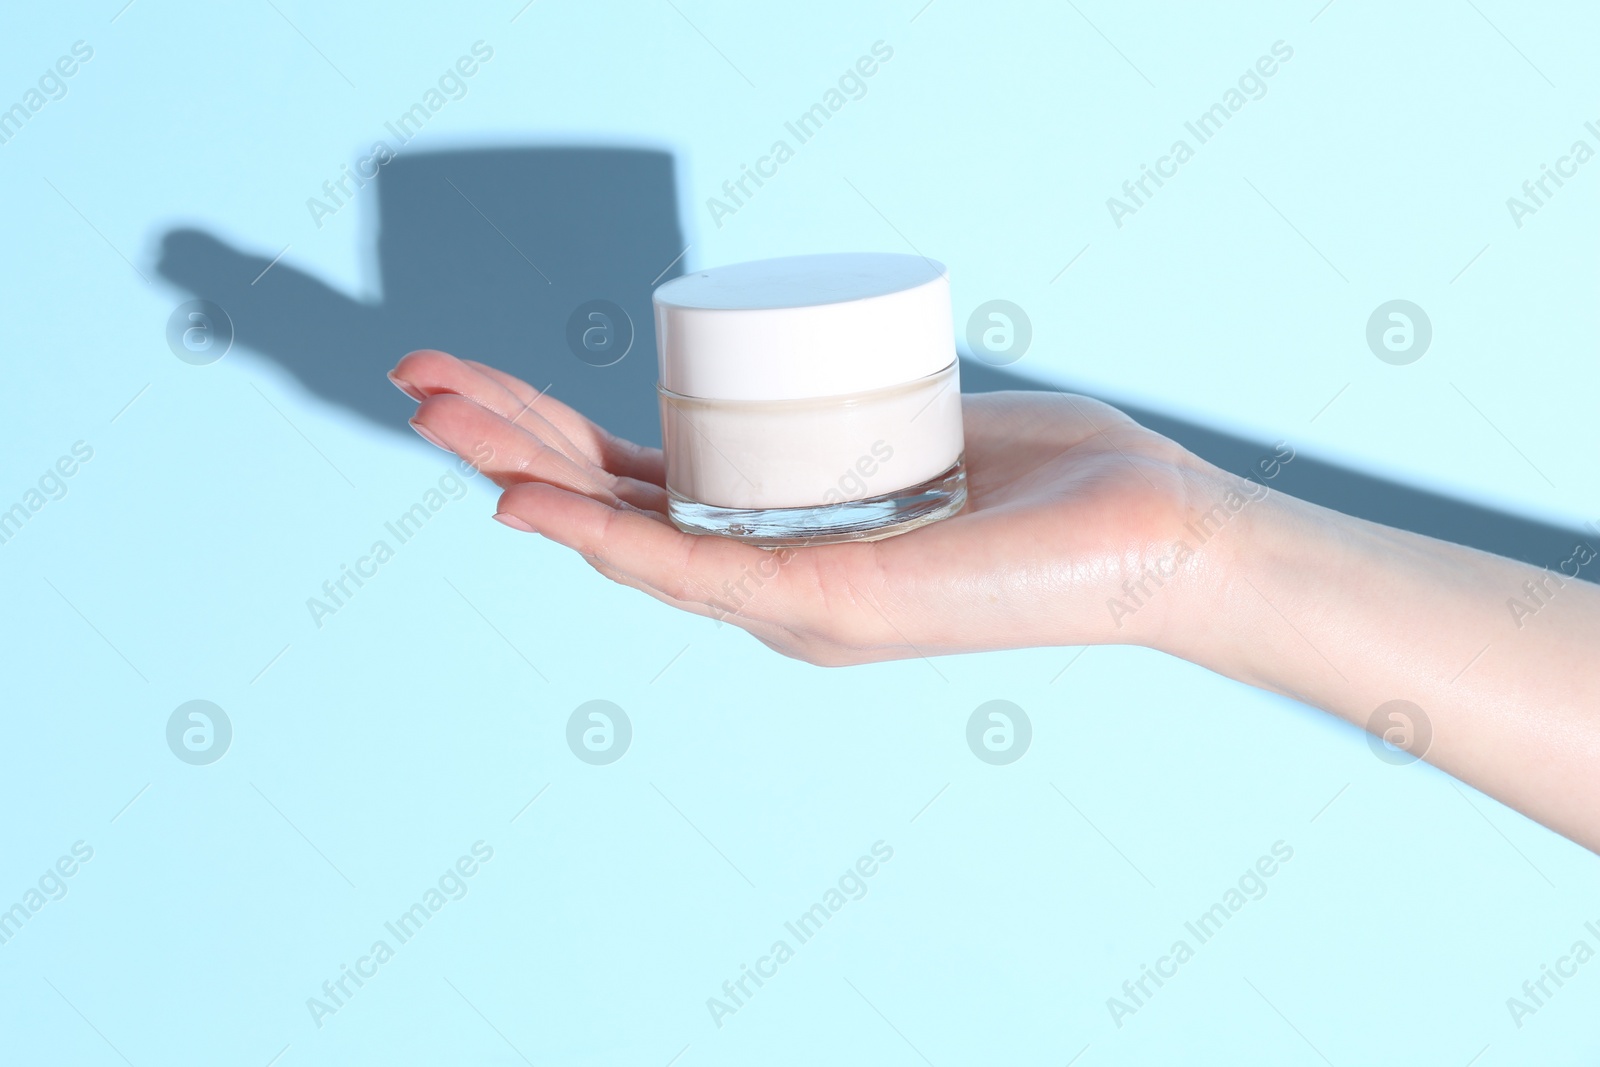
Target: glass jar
{"points": [[810, 399]]}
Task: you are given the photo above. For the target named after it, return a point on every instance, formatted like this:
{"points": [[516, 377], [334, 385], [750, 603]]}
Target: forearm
{"points": [[1347, 615]]}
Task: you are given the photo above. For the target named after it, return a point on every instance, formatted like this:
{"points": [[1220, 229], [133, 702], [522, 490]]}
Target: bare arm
{"points": [[1347, 615]]}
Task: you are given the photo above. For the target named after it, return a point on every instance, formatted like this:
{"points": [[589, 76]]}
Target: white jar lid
{"points": [[804, 326]]}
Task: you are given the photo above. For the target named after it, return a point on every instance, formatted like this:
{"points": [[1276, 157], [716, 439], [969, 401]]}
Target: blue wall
{"points": [[424, 723]]}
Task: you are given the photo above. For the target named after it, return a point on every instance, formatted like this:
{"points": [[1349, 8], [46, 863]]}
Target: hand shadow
{"points": [[1352, 492], [488, 253], [482, 253]]}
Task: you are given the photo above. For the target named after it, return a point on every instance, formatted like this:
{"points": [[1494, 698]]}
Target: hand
{"points": [[1072, 507], [1067, 500]]}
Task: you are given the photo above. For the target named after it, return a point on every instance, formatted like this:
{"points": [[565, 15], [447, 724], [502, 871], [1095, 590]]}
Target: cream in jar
{"points": [[810, 399]]}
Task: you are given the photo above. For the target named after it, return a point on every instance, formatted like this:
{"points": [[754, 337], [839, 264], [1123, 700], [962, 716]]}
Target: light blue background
{"points": [[375, 751]]}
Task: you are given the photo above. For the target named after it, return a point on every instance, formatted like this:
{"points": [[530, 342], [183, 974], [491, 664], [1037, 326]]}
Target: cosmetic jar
{"points": [[810, 399]]}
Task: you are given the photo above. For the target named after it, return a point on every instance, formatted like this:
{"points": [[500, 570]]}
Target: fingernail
{"points": [[512, 521], [407, 388], [423, 432]]}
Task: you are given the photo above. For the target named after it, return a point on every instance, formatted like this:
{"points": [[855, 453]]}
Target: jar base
{"points": [[870, 519]]}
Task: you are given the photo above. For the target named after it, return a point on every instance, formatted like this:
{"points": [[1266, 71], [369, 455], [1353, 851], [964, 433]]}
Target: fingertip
{"points": [[406, 387], [429, 436], [599, 529], [508, 519], [565, 517], [426, 353], [421, 365]]}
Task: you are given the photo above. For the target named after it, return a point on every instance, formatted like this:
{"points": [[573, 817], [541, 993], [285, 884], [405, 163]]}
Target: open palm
{"points": [[1067, 499]]}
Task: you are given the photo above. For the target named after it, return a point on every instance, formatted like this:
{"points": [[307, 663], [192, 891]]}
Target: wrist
{"points": [[1334, 611], [1254, 605]]}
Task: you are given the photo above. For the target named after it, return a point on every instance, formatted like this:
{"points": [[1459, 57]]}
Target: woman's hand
{"points": [[1082, 527], [1068, 499]]}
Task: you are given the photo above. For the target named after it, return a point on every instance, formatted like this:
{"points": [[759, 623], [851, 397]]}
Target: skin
{"points": [[1073, 507]]}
